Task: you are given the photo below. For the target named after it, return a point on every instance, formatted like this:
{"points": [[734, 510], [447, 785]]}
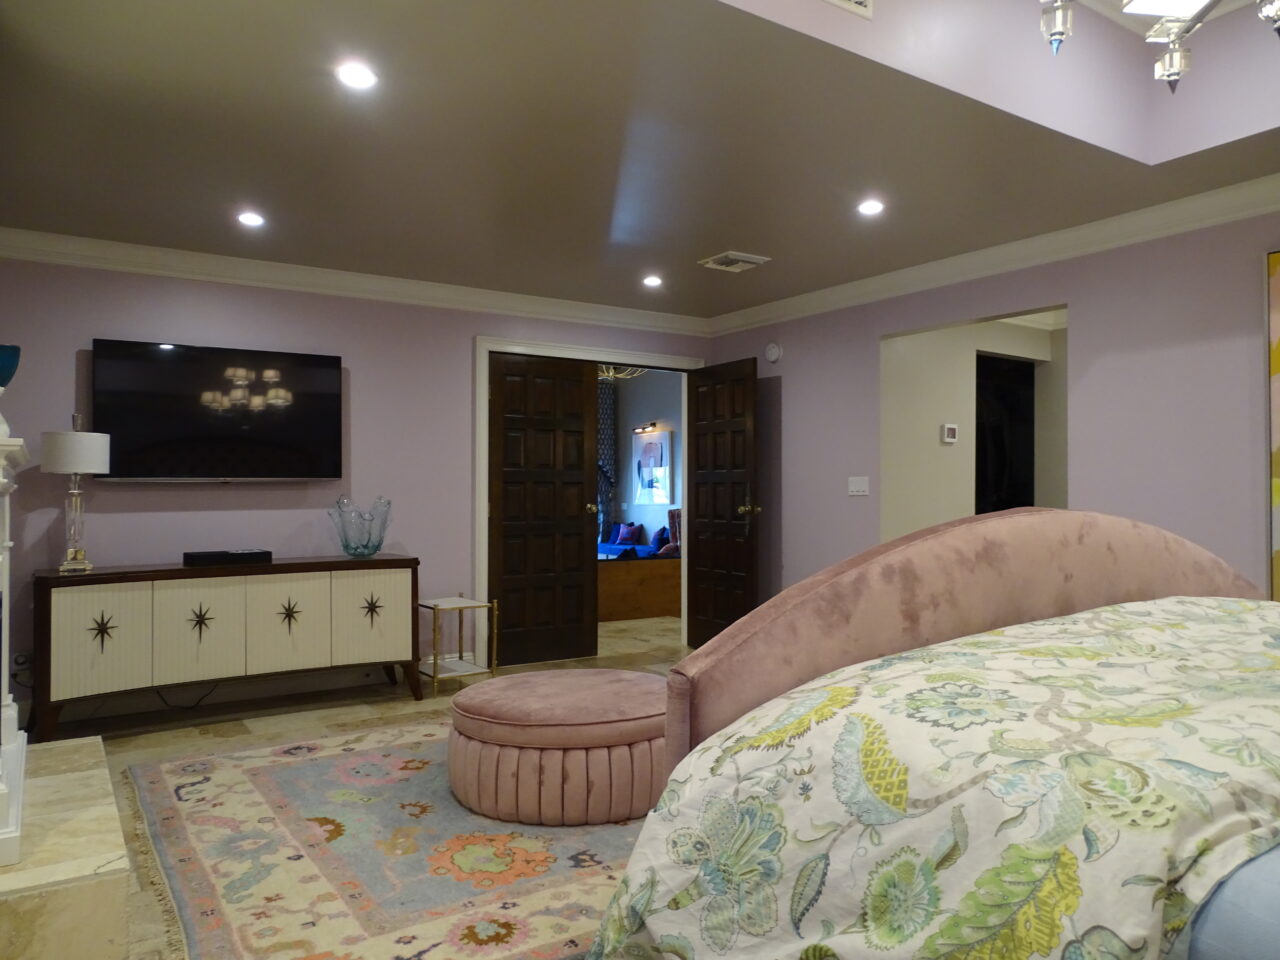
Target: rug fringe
{"points": [[147, 869]]}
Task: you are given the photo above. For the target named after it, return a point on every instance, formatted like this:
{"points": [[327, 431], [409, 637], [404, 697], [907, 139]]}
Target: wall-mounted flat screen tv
{"points": [[177, 412]]}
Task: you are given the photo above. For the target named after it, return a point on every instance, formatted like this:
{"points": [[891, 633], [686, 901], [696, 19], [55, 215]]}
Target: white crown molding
{"points": [[1048, 321], [567, 351], [189, 265], [1238, 202]]}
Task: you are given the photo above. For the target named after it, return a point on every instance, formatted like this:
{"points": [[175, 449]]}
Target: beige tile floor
{"points": [[651, 645]]}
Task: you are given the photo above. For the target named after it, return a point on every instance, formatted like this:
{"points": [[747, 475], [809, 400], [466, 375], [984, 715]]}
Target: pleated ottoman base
{"points": [[555, 787], [560, 747]]}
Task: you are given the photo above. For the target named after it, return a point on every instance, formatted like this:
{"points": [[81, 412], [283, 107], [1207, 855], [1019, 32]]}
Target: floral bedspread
{"points": [[1070, 788]]}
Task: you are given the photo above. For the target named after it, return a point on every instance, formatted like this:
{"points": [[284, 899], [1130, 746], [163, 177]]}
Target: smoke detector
{"points": [[732, 261]]}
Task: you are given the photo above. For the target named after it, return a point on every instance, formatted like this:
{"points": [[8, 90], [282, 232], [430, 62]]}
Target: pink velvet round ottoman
{"points": [[560, 747]]}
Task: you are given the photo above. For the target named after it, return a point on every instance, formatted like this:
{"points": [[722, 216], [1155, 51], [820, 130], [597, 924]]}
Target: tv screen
{"points": [[177, 412]]}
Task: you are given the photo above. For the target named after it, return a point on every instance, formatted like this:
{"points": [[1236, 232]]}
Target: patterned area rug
{"points": [[353, 848]]}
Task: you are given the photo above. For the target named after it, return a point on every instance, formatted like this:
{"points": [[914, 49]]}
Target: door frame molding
{"points": [[480, 439]]}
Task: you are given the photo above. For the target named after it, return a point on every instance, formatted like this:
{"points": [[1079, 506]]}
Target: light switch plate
{"points": [[859, 486]]}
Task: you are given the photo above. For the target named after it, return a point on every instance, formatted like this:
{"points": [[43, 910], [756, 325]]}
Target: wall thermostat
{"points": [[772, 352]]}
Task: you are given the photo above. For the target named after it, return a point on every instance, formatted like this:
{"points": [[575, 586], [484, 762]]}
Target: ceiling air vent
{"points": [[860, 7], [734, 262]]}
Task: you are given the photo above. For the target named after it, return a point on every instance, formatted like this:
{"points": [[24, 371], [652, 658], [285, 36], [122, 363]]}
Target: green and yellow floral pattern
{"points": [[1071, 789]]}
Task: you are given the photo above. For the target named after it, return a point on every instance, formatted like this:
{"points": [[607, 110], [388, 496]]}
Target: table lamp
{"points": [[75, 452]]}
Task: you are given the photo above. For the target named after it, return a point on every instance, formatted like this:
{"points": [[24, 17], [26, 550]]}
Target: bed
{"points": [[1037, 733]]}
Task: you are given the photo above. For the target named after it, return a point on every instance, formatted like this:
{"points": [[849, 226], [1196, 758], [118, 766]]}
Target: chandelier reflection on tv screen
{"points": [[182, 412], [239, 392]]}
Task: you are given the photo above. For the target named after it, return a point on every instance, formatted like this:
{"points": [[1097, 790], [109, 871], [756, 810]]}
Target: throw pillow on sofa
{"points": [[660, 539], [632, 533], [610, 534]]}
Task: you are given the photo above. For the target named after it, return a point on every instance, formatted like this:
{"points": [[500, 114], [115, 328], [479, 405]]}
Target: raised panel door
{"points": [[542, 524], [721, 538], [372, 614], [198, 629], [287, 622], [100, 639]]}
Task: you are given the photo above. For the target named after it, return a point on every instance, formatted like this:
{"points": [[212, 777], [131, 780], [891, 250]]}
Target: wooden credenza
{"points": [[135, 628]]}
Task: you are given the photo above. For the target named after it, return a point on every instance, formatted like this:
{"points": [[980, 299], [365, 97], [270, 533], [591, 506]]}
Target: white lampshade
{"points": [[74, 451]]}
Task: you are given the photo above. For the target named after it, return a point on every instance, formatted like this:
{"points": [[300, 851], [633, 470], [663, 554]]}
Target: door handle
{"points": [[749, 510], [592, 508]]}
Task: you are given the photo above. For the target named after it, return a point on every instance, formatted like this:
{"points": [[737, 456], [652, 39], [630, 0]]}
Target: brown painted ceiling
{"points": [[553, 147]]}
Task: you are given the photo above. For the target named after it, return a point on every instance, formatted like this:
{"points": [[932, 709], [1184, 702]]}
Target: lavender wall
{"points": [[1167, 415], [1229, 92], [409, 379], [1166, 406]]}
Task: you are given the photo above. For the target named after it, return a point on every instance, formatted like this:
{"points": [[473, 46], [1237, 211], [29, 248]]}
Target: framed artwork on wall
{"points": [[1273, 314], [651, 466]]}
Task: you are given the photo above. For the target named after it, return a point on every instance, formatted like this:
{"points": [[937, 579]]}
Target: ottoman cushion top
{"points": [[563, 708]]}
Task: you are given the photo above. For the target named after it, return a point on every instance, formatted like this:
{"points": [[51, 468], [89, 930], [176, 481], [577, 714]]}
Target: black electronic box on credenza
{"points": [[222, 558]]}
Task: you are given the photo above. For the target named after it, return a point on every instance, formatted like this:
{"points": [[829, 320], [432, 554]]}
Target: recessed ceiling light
{"points": [[652, 280], [166, 346], [251, 218], [356, 74], [870, 208]]}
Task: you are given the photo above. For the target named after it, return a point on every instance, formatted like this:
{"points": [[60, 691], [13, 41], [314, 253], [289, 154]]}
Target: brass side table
{"points": [[452, 669]]}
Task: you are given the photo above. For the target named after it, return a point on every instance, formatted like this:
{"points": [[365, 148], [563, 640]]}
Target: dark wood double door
{"points": [[543, 520]]}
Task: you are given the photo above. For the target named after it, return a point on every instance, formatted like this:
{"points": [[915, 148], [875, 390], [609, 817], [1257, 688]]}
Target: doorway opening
{"points": [[1005, 434], [525, 416], [488, 444], [973, 418], [640, 491]]}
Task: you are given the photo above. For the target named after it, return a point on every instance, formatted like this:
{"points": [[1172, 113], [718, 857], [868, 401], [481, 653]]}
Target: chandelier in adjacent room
{"points": [[608, 371]]}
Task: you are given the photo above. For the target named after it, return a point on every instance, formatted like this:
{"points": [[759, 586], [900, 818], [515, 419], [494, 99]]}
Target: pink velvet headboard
{"points": [[943, 582]]}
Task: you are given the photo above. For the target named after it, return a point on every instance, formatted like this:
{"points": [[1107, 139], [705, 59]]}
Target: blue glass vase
{"points": [[9, 355], [361, 531]]}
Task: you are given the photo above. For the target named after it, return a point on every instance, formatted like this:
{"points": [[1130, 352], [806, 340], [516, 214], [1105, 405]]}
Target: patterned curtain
{"points": [[607, 452]]}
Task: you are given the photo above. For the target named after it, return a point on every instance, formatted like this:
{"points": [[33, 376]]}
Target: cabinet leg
{"points": [[390, 670], [46, 721], [413, 677]]}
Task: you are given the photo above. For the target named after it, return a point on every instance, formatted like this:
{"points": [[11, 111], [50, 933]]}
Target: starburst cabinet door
{"points": [[372, 611], [101, 639], [198, 629], [287, 622]]}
